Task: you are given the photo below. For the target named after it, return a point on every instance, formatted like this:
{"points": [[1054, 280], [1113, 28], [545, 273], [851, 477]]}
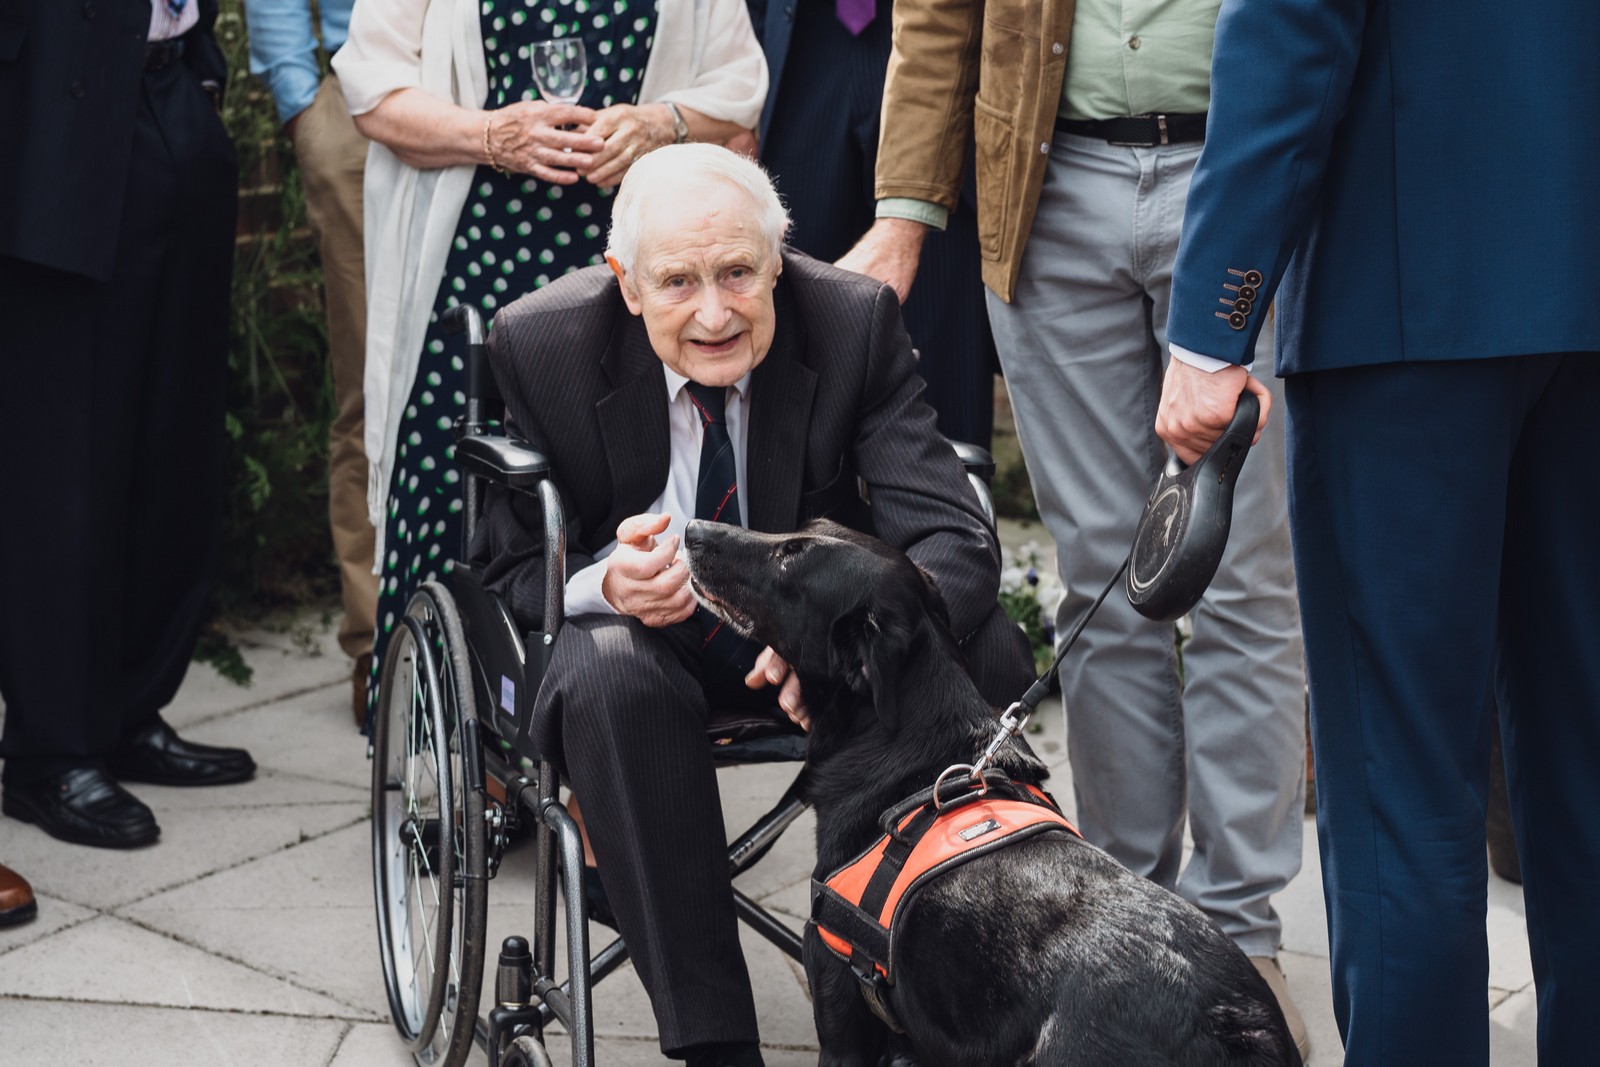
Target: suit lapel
{"points": [[781, 392], [633, 421]]}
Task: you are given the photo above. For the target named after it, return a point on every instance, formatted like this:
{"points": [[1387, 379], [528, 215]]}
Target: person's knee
{"points": [[618, 671]]}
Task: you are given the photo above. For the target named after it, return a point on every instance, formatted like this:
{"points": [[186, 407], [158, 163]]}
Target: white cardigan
{"points": [[704, 56]]}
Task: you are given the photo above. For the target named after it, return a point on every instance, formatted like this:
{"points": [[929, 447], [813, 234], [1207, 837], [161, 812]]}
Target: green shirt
{"points": [[1139, 57], [1128, 57]]}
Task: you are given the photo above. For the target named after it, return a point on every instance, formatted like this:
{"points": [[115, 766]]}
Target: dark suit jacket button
{"points": [[1237, 320], [1242, 306], [1252, 278], [1247, 292], [76, 89]]}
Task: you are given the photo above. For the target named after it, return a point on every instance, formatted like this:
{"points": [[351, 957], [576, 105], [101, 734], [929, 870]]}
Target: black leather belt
{"points": [[161, 54], [1145, 131]]}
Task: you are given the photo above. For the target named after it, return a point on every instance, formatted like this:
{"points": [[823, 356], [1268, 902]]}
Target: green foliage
{"points": [[275, 544], [1029, 595]]}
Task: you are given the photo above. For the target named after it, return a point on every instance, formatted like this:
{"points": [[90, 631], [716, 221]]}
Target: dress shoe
{"points": [[359, 679], [85, 806], [16, 898], [156, 754], [1268, 966]]}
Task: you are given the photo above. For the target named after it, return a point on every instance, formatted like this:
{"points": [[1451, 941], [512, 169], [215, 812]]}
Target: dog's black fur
{"points": [[1045, 953]]}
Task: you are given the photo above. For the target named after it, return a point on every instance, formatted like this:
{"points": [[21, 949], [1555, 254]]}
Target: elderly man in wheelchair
{"points": [[708, 373]]}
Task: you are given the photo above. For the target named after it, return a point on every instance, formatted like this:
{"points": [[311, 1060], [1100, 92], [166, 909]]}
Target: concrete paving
{"points": [[246, 936]]}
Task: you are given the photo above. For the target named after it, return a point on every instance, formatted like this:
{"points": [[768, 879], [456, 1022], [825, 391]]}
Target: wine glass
{"points": [[560, 70]]}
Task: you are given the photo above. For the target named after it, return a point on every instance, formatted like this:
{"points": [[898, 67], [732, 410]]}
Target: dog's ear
{"points": [[867, 648]]}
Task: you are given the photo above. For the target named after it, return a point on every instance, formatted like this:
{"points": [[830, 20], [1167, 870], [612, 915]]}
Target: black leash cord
{"points": [[1016, 716], [1041, 688]]}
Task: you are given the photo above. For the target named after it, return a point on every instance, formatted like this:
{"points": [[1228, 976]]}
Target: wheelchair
{"points": [[456, 777]]}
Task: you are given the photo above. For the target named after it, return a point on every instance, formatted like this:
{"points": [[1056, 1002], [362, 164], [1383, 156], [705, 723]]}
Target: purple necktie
{"points": [[856, 14]]}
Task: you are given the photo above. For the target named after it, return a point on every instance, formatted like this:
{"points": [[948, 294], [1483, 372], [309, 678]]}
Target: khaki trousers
{"points": [[333, 156]]}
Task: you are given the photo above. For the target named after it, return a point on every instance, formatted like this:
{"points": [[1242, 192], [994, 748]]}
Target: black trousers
{"points": [[111, 443], [623, 711], [822, 149]]}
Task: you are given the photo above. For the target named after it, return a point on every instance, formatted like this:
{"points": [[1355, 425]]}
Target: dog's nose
{"points": [[694, 534]]}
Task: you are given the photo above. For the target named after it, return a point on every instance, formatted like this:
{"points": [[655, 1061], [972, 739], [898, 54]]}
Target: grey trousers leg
{"points": [[1223, 745]]}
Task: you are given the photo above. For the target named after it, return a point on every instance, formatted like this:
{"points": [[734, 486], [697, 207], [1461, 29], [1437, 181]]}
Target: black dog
{"points": [[1047, 952]]}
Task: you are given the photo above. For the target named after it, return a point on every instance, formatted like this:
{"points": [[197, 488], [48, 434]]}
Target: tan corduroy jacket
{"points": [[965, 68]]}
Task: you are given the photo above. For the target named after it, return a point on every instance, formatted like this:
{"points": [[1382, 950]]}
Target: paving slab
{"points": [[45, 1033], [109, 960], [194, 842]]}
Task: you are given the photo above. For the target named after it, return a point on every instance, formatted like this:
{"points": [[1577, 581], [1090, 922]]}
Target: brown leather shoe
{"points": [[359, 678], [16, 898], [1268, 966]]}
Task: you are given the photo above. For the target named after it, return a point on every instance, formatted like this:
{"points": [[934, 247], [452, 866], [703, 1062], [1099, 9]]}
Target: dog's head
{"points": [[839, 606]]}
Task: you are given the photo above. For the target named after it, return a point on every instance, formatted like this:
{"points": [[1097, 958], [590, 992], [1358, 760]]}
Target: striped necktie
{"points": [[716, 499]]}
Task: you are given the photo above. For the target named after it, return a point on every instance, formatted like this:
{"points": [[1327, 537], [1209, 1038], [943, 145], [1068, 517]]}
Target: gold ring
{"points": [[631, 151]]}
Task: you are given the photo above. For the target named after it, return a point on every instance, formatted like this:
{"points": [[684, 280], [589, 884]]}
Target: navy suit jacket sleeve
{"points": [[1281, 72]]}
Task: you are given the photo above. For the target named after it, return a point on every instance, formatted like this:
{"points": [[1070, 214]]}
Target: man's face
{"points": [[703, 282]]}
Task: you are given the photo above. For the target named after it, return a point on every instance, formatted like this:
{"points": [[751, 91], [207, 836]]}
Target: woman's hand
{"points": [[526, 138], [629, 130]]}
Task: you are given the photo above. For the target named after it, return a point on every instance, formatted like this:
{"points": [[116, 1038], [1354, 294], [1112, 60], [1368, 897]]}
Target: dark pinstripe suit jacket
{"points": [[836, 398]]}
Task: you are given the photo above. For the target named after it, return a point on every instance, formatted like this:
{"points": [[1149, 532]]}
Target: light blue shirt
{"points": [[283, 47]]}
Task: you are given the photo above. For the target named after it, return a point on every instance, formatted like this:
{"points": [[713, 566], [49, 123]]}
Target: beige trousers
{"points": [[333, 157]]}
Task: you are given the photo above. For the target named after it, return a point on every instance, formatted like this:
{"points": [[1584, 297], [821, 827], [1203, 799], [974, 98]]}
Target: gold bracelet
{"points": [[488, 148]]}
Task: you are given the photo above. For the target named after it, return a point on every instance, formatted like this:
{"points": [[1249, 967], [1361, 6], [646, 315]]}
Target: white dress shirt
{"points": [[583, 596]]}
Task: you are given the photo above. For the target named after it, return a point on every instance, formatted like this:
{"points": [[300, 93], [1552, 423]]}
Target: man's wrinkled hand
{"points": [[646, 578], [1196, 406], [889, 252], [770, 669]]}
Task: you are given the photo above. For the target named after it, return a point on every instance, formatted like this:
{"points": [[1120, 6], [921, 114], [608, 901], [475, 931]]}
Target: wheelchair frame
{"points": [[447, 754]]}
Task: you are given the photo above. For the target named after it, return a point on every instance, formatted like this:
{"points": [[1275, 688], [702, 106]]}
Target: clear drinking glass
{"points": [[560, 70]]}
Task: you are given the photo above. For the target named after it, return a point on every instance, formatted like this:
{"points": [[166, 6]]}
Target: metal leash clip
{"points": [[1009, 726]]}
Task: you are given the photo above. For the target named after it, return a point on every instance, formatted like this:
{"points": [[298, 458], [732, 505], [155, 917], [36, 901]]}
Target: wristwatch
{"points": [[680, 128]]}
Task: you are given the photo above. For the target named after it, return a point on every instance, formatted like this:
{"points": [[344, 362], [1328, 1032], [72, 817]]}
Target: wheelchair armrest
{"points": [[502, 460], [976, 460]]}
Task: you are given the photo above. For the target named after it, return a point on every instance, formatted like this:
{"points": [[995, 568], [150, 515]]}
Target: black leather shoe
{"points": [[85, 806], [158, 755]]}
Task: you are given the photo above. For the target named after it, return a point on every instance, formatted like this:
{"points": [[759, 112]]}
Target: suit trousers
{"points": [[1444, 520], [822, 148], [1218, 741], [333, 156], [111, 448], [623, 711]]}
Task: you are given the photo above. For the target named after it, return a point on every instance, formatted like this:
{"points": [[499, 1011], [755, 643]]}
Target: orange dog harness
{"points": [[854, 908]]}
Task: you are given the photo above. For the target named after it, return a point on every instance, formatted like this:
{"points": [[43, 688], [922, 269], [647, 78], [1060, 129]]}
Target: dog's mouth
{"points": [[721, 609]]}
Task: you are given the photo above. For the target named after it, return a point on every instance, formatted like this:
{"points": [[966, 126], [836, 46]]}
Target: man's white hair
{"points": [[672, 170]]}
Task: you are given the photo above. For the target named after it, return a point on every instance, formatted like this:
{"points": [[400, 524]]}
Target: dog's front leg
{"points": [[848, 1034]]}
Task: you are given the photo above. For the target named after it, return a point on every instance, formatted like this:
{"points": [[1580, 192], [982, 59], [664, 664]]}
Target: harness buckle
{"points": [[875, 991]]}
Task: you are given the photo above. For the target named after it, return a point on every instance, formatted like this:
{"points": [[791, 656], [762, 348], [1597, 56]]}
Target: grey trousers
{"points": [[1220, 743]]}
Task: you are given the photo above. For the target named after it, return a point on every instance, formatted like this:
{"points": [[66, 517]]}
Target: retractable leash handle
{"points": [[1184, 527]]}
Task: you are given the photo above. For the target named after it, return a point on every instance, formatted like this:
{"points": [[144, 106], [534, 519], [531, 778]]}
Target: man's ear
{"points": [[866, 650], [630, 294]]}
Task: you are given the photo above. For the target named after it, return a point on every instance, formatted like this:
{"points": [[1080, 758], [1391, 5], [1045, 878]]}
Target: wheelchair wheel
{"points": [[429, 834], [526, 1052]]}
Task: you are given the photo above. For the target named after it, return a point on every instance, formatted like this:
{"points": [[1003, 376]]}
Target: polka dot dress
{"points": [[515, 235]]}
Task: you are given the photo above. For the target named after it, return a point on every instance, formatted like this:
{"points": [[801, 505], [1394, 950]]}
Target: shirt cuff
{"points": [[293, 88], [583, 595], [1209, 364], [924, 211]]}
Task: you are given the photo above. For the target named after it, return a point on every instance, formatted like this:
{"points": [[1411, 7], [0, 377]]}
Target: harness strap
{"points": [[855, 925]]}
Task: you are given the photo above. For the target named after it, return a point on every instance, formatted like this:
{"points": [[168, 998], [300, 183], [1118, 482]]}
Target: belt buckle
{"points": [[1162, 136]]}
